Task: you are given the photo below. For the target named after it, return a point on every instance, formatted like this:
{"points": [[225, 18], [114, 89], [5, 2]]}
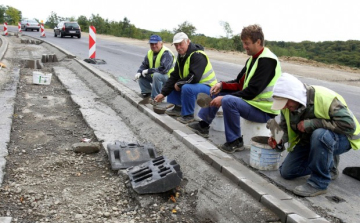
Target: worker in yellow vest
{"points": [[155, 68], [193, 74], [247, 96], [318, 127]]}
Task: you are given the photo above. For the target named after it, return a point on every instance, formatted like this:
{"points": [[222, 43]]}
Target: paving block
{"points": [[156, 176], [123, 155]]}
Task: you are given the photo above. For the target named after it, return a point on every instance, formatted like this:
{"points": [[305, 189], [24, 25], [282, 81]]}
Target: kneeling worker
{"points": [[318, 126]]}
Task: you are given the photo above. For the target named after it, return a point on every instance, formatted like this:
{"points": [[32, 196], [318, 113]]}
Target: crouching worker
{"points": [[318, 127], [193, 74], [156, 68]]}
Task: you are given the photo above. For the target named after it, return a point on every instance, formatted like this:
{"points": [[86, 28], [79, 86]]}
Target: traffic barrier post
{"points": [[42, 30], [5, 29], [92, 42]]}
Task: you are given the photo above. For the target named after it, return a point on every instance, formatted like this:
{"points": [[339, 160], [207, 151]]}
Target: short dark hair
{"points": [[253, 32]]}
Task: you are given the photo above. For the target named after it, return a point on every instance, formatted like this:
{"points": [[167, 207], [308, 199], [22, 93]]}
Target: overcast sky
{"points": [[281, 20]]}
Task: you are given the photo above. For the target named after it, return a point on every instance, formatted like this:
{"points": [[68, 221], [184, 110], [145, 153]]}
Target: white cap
{"points": [[179, 37], [279, 103]]}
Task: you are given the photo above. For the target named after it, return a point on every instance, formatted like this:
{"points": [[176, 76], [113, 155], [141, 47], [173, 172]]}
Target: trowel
{"points": [[203, 100], [276, 132]]}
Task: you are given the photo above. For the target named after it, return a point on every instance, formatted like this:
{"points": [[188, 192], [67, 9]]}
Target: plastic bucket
{"points": [[196, 111], [218, 122], [262, 156], [250, 129]]}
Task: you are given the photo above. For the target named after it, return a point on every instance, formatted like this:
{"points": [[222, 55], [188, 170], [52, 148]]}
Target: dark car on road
{"points": [[66, 28], [30, 24]]}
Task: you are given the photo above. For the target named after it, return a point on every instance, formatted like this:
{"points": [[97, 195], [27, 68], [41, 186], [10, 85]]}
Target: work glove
{"points": [[137, 76], [144, 72]]}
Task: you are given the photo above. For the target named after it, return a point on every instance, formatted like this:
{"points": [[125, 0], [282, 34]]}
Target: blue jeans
{"points": [[157, 80], [233, 109], [186, 97], [315, 158]]}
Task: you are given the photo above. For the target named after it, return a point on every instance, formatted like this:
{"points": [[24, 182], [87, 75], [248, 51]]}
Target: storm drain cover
{"points": [[123, 154], [156, 176]]}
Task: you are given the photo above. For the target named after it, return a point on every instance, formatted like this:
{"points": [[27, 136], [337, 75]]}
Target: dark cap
{"points": [[155, 39]]}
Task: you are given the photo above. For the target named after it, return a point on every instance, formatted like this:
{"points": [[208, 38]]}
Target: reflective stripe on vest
{"points": [[208, 76], [263, 101], [322, 102], [150, 56]]}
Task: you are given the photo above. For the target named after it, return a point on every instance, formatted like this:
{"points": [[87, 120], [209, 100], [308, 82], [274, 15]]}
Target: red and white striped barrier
{"points": [[42, 30], [92, 42], [19, 27], [5, 29]]}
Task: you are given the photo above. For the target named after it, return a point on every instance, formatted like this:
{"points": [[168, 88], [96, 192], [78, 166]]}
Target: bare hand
{"points": [[177, 87], [216, 102], [159, 98], [215, 89], [301, 126]]}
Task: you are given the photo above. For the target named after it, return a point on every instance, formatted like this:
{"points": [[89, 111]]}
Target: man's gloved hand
{"points": [[144, 72], [137, 76]]}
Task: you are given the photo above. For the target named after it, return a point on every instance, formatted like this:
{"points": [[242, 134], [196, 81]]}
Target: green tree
{"points": [[14, 15], [2, 13], [187, 28], [52, 20], [166, 35], [83, 23], [98, 22], [227, 29]]}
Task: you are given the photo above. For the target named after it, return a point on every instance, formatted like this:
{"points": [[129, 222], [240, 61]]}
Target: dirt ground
{"points": [[44, 179]]}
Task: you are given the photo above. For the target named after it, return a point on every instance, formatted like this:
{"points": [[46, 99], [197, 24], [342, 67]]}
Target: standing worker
{"points": [[193, 74], [248, 96], [156, 68], [318, 126]]}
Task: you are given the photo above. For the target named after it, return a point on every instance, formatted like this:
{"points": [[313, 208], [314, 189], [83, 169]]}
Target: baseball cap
{"points": [[279, 103], [179, 37], [154, 39]]}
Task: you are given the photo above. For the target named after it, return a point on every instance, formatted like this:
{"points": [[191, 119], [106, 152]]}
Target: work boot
{"points": [[203, 100], [334, 171], [186, 119], [145, 95], [306, 190], [196, 127], [231, 147], [176, 111]]}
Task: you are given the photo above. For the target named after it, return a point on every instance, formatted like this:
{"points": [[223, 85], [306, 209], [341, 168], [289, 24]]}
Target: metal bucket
{"points": [[262, 156]]}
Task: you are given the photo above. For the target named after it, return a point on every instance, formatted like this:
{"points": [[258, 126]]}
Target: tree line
{"points": [[345, 53]]}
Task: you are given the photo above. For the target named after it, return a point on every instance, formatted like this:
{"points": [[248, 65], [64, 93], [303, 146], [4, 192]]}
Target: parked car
{"points": [[30, 24], [66, 28]]}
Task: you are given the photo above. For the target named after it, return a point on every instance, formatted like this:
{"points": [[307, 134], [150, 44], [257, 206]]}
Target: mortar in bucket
{"points": [[262, 156]]}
